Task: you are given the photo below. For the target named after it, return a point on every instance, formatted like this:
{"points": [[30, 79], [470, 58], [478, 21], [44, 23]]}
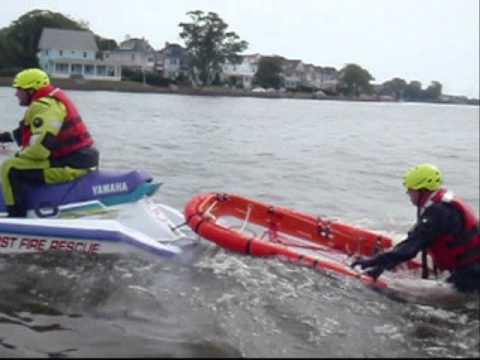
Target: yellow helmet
{"points": [[31, 79], [423, 176]]}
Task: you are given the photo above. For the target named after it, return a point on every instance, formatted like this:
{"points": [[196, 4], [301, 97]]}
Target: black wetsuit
{"points": [[437, 220]]}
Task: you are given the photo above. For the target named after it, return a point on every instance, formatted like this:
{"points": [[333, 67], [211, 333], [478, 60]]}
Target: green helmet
{"points": [[31, 79], [423, 176]]}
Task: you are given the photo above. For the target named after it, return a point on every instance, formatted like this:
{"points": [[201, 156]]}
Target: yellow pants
{"points": [[50, 175]]}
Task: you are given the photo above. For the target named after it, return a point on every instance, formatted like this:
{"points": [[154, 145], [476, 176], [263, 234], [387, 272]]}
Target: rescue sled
{"points": [[254, 228]]}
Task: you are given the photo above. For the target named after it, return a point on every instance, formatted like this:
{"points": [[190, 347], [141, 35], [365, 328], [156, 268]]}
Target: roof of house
{"points": [[291, 64], [173, 50], [67, 39], [252, 56], [329, 70], [136, 45]]}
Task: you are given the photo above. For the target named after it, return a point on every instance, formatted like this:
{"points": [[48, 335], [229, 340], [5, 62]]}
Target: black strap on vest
{"points": [[425, 272]]}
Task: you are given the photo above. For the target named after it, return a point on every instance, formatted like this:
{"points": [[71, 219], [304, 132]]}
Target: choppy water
{"points": [[335, 159]]}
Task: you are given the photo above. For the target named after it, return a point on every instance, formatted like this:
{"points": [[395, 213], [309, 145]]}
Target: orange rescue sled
{"points": [[250, 227]]}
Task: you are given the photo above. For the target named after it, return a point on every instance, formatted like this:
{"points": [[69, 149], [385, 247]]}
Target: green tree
{"points": [[354, 80], [105, 44], [434, 91], [413, 91], [395, 87], [209, 45], [5, 53], [269, 71], [20, 40]]}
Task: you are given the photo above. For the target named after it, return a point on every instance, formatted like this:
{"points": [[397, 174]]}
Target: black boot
{"points": [[16, 212]]}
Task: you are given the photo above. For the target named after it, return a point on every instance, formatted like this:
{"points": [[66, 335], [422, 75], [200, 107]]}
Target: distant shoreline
{"points": [[135, 87]]}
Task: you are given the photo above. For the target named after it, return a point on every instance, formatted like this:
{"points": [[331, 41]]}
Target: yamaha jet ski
{"points": [[97, 190], [70, 217]]}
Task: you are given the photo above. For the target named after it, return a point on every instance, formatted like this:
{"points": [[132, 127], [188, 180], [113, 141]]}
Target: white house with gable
{"points": [[73, 54], [243, 72]]}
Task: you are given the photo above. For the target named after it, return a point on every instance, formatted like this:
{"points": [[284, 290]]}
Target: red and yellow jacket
{"points": [[52, 127]]}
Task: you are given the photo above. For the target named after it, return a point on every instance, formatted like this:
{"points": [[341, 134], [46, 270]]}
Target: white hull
{"points": [[141, 226]]}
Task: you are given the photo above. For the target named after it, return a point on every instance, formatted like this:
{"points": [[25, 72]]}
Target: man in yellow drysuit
{"points": [[55, 144]]}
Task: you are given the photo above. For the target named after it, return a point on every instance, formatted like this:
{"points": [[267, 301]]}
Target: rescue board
{"points": [[255, 228]]}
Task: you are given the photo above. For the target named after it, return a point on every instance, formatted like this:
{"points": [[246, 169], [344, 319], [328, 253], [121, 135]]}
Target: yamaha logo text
{"points": [[105, 189]]}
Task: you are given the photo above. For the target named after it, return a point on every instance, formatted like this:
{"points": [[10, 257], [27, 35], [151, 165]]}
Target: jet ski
{"points": [[104, 212], [96, 191]]}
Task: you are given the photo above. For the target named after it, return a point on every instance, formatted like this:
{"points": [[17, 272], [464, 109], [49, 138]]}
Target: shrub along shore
{"points": [[136, 87]]}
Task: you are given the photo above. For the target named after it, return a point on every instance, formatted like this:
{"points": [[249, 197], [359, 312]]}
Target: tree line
{"points": [[209, 44]]}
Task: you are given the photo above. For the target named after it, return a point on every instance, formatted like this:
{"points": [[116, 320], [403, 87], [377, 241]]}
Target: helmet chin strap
{"points": [[423, 196], [28, 100]]}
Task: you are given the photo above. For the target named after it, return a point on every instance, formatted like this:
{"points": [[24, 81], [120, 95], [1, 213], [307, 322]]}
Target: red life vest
{"points": [[73, 134], [449, 252]]}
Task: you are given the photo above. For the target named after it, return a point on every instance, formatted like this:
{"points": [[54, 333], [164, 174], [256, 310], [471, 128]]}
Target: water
{"points": [[336, 159]]}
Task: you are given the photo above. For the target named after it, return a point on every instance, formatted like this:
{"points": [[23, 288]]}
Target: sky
{"points": [[422, 40]]}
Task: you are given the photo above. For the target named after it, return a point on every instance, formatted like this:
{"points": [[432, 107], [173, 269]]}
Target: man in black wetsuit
{"points": [[447, 228]]}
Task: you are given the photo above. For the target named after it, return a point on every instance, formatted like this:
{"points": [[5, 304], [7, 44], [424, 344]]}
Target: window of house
{"points": [[85, 54], [46, 52], [89, 70], [61, 52], [110, 71], [61, 68], [101, 70], [77, 68]]}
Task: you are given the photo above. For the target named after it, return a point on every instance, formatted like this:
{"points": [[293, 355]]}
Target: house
{"points": [[172, 61], [329, 79], [134, 54], [312, 76], [293, 72], [296, 73], [318, 77], [73, 53], [242, 73]]}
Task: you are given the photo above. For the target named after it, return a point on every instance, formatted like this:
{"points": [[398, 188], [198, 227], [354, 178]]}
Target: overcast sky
{"points": [[422, 40]]}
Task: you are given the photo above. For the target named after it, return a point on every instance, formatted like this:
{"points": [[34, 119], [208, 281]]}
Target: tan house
{"points": [[293, 72], [329, 79], [133, 53]]}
